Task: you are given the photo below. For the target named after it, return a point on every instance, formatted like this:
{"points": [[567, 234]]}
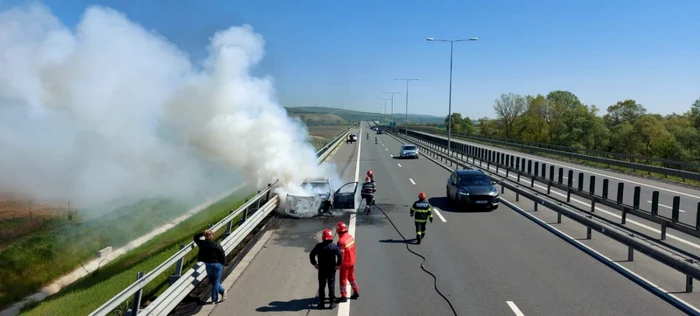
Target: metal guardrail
{"points": [[536, 171], [183, 284], [678, 260], [683, 174]]}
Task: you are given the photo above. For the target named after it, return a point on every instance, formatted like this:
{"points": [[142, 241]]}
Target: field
{"points": [[320, 135]]}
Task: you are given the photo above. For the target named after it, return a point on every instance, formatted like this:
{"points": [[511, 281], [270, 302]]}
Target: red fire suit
{"points": [[347, 268]]}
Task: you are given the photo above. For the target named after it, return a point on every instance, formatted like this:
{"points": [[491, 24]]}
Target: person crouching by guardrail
{"points": [[329, 260], [213, 256]]}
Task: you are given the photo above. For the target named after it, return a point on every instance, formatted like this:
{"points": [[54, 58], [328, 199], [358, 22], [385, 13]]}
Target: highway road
{"points": [[689, 197], [487, 263]]}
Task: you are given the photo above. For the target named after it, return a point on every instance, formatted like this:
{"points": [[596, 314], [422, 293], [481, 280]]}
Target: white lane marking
{"points": [[515, 308], [412, 181], [392, 156], [694, 245], [573, 240], [588, 171], [399, 165], [666, 206], [344, 308], [387, 149], [437, 212], [594, 251]]}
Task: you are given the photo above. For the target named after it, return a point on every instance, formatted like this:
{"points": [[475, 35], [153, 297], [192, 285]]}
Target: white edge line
{"points": [[399, 165], [515, 308], [535, 218], [689, 243], [570, 167], [610, 261], [344, 308], [412, 181], [437, 212]]}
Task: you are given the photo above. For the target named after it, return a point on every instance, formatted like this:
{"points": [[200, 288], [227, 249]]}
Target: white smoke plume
{"points": [[112, 110]]}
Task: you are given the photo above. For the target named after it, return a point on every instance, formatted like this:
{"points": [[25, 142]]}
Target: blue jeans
{"points": [[214, 272]]}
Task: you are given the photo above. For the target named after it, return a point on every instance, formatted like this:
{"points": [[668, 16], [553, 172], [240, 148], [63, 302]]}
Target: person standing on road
{"points": [[213, 256], [368, 189], [329, 260], [423, 212], [370, 174], [346, 243]]}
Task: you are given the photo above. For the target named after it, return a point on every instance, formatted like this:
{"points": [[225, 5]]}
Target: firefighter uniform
{"points": [[329, 260], [368, 189], [421, 212], [346, 243]]}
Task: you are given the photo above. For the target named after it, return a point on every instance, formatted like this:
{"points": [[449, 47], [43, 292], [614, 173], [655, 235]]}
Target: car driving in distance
{"points": [[472, 188], [408, 151], [379, 131]]}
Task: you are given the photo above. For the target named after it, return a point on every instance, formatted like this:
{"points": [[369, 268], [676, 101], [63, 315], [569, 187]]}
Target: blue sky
{"points": [[346, 53]]}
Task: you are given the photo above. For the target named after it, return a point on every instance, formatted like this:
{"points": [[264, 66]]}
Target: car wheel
{"points": [[447, 194]]}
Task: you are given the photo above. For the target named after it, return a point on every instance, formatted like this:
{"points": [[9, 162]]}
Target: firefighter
{"points": [[370, 174], [368, 189], [329, 260], [421, 213], [346, 243]]}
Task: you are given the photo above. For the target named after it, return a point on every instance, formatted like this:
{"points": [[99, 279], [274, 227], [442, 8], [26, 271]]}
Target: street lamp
{"points": [[407, 80], [385, 115], [449, 113], [392, 103]]}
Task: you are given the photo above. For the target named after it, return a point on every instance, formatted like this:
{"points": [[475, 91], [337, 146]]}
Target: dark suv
{"points": [[471, 188]]}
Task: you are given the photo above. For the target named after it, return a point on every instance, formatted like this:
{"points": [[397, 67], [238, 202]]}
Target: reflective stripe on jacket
{"points": [[421, 211], [347, 246]]}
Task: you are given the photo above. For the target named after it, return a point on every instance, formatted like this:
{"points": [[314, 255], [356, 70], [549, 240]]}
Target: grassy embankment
{"points": [[86, 294], [320, 135], [574, 160]]}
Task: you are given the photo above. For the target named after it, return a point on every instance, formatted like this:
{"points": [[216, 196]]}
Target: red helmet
{"points": [[422, 196], [341, 228], [369, 173], [368, 179], [327, 235]]}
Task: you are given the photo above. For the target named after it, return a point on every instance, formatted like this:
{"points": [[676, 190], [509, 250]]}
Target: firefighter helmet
{"points": [[341, 228], [422, 196], [368, 179], [369, 173], [327, 235]]}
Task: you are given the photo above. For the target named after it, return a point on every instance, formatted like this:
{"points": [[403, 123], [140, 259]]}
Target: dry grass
{"points": [[21, 218], [320, 135]]}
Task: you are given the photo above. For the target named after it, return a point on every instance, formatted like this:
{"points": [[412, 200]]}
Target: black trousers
{"points": [[420, 230], [326, 276]]}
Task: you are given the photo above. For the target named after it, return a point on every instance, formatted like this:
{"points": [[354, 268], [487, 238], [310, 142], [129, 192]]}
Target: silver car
{"points": [[409, 151]]}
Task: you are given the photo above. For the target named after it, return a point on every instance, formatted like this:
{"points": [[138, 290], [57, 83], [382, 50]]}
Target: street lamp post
{"points": [[385, 114], [449, 113], [392, 103], [407, 80]]}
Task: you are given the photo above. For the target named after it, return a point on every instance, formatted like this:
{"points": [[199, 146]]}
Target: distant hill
{"points": [[355, 116], [316, 119]]}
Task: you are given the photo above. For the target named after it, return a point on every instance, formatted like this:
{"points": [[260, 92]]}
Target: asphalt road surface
{"points": [[486, 263], [689, 198]]}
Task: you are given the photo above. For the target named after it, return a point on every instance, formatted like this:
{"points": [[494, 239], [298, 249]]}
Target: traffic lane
{"points": [[680, 240], [548, 287], [388, 275], [280, 278], [667, 188], [688, 206]]}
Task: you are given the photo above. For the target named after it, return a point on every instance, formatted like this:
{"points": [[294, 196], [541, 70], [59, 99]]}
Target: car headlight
{"points": [[494, 191], [463, 192]]}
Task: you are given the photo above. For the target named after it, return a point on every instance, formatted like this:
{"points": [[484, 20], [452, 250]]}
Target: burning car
{"points": [[324, 199]]}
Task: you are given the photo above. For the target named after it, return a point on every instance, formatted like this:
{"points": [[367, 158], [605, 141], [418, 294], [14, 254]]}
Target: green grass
{"points": [[578, 161], [83, 296], [321, 135], [54, 250]]}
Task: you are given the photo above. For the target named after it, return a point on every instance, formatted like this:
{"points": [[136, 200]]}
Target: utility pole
{"points": [[407, 80], [392, 103]]}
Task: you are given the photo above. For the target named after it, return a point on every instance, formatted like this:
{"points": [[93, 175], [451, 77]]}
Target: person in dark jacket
{"points": [[213, 256], [422, 211], [329, 260]]}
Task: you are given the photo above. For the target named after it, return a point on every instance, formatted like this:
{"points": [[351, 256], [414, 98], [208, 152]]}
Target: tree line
{"points": [[560, 118]]}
